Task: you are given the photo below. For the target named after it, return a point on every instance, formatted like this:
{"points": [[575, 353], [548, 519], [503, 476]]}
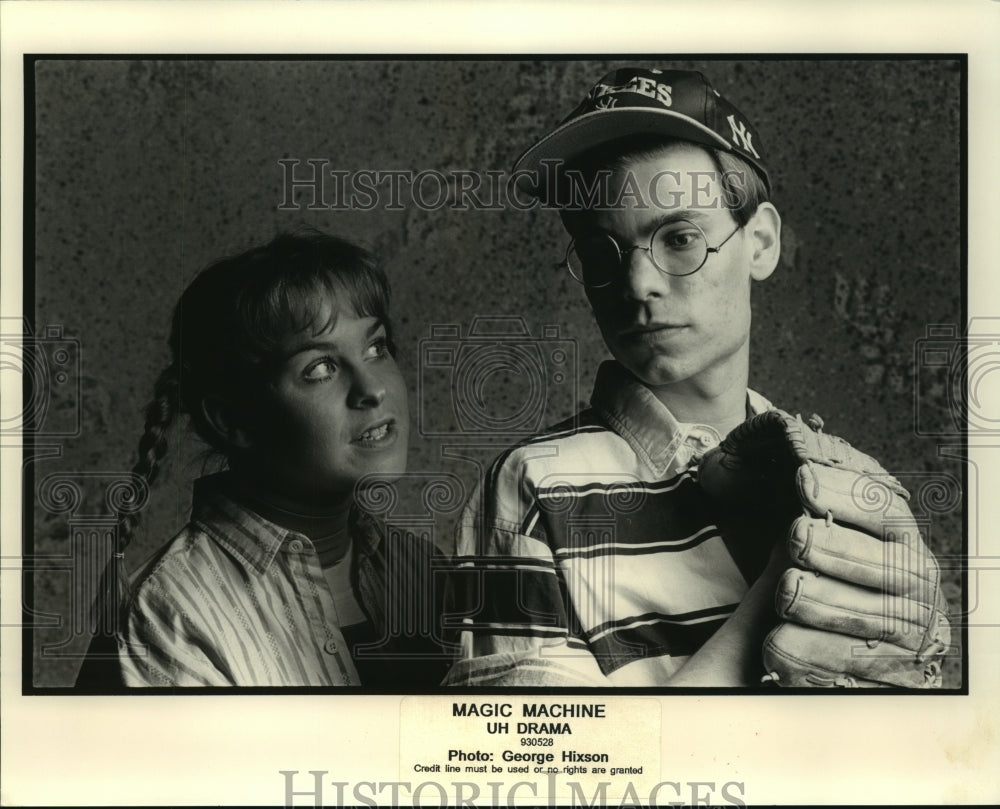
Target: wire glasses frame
{"points": [[678, 247]]}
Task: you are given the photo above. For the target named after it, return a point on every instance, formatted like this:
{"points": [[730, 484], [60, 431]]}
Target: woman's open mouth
{"points": [[378, 434]]}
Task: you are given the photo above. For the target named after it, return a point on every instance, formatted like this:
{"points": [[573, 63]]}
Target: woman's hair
{"points": [[743, 187], [228, 324]]}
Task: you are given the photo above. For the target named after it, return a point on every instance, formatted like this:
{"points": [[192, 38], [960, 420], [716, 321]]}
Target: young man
{"points": [[592, 555]]}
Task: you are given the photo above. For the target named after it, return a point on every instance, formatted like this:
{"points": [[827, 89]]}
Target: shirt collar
{"points": [[252, 538], [650, 429]]}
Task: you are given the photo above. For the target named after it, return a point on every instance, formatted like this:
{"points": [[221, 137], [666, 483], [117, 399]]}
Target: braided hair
{"points": [[226, 328]]}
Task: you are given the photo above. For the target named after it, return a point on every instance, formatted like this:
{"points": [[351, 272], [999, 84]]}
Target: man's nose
{"points": [[641, 277]]}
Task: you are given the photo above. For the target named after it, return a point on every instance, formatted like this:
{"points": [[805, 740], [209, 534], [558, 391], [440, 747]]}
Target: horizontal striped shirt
{"points": [[236, 600], [589, 554]]}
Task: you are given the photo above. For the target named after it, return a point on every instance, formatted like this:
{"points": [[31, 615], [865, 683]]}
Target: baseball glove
{"points": [[861, 605]]}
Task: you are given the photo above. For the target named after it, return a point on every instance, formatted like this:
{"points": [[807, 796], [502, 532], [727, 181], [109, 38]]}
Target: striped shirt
{"points": [[236, 600], [589, 554]]}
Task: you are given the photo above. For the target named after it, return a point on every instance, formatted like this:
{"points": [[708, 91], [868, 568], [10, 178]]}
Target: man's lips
{"points": [[641, 330]]}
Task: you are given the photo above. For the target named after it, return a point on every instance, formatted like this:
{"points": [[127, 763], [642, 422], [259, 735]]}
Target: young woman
{"points": [[283, 360]]}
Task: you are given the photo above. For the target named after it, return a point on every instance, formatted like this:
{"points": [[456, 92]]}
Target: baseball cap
{"points": [[633, 101]]}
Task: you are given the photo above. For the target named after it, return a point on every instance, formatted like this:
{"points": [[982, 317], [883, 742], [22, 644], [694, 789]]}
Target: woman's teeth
{"points": [[375, 434]]}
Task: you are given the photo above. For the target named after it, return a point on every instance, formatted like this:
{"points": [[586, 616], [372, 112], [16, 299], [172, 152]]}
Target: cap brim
{"points": [[594, 128]]}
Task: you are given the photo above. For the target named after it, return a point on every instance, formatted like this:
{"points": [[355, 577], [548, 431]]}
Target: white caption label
{"points": [[526, 750]]}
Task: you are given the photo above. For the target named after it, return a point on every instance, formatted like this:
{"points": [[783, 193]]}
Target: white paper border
{"points": [[226, 750]]}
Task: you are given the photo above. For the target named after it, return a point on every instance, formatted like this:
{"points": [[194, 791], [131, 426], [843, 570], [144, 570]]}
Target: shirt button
{"points": [[296, 546], [330, 647], [706, 440]]}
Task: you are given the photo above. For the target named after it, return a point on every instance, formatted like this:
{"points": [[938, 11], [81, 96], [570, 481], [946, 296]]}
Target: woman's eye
{"points": [[320, 370], [379, 348]]}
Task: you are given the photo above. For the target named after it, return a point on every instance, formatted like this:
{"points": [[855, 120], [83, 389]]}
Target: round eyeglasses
{"points": [[677, 247]]}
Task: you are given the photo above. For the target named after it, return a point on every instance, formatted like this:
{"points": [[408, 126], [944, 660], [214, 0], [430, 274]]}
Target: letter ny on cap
{"points": [[634, 101]]}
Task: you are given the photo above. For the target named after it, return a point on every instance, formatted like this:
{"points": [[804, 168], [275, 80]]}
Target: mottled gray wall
{"points": [[147, 170]]}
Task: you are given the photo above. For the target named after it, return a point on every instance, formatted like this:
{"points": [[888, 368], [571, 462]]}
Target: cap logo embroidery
{"points": [[740, 135], [672, 104], [641, 85]]}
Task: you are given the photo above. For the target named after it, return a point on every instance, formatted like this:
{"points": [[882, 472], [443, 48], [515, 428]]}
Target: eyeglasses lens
{"points": [[594, 261], [678, 248]]}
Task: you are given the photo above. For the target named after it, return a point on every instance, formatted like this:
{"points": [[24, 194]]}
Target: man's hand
{"points": [[862, 604]]}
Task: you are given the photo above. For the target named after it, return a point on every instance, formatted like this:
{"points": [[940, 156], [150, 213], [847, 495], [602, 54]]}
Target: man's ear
{"points": [[765, 232], [222, 419]]}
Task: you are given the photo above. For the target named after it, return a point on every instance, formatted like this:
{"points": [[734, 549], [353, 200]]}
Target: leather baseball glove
{"points": [[861, 605]]}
